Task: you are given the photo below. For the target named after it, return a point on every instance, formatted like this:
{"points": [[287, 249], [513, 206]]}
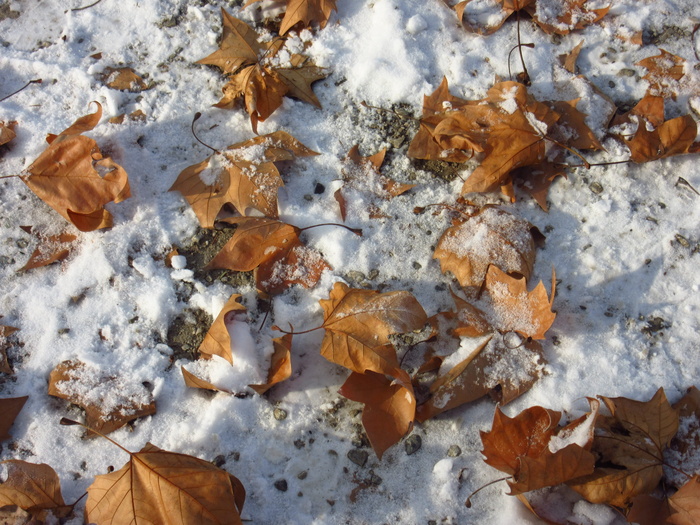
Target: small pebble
{"points": [[302, 474], [219, 460], [682, 240], [596, 188], [279, 414], [281, 485], [358, 457], [319, 188], [413, 444], [454, 451], [299, 443]]}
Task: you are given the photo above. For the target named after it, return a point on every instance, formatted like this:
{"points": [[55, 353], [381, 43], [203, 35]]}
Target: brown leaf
{"points": [[297, 265], [74, 179], [686, 442], [218, 341], [157, 486], [630, 443], [49, 250], [7, 131], [515, 309], [109, 402], [686, 503], [568, 15], [571, 128], [495, 19], [194, 381], [492, 236], [124, 79], [243, 176], [34, 488], [648, 510], [9, 410], [5, 331], [663, 73], [673, 137], [390, 407], [568, 61], [362, 173], [280, 364], [358, 324], [536, 180], [255, 77]]}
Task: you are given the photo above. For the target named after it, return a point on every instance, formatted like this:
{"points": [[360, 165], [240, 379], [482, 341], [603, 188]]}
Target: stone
{"points": [[413, 444], [279, 414], [454, 451], [358, 457]]}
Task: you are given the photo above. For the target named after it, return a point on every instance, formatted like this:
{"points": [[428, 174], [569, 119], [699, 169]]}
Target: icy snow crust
{"points": [[624, 256]]}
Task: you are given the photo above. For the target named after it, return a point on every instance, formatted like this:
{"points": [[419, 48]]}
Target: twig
{"points": [[195, 119], [86, 6], [35, 81]]}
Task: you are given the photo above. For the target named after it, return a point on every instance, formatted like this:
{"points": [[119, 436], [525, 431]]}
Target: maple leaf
{"points": [[535, 451], [515, 309], [50, 249], [390, 407], [665, 138], [124, 79], [74, 179], [109, 402], [630, 444], [358, 324], [217, 341], [273, 249], [491, 236], [303, 13], [253, 77], [244, 176], [663, 73], [34, 488], [280, 364], [157, 486], [7, 131], [9, 410], [686, 503]]}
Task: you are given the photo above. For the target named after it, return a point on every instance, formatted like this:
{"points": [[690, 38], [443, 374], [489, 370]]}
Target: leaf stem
{"points": [[8, 176], [35, 81], [86, 6], [530, 45], [275, 327], [356, 231], [71, 422], [468, 503], [570, 150], [526, 80], [195, 119], [590, 164]]}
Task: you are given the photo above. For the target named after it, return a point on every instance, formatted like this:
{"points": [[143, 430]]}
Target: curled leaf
{"points": [[34, 488]]}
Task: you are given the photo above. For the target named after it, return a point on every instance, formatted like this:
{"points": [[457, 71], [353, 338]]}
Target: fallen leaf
{"points": [[686, 503], [515, 309], [492, 236], [273, 249], [124, 79], [630, 445], [109, 402], [7, 131], [34, 488], [244, 176], [648, 510], [9, 410], [135, 116], [74, 179], [194, 381], [303, 13], [568, 61], [390, 407], [358, 324], [218, 341], [49, 250], [686, 443], [363, 173], [663, 73], [157, 486], [5, 331], [495, 12], [535, 451], [255, 77], [280, 364]]}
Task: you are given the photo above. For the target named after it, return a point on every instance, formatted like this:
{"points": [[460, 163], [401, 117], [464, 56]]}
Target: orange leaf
{"points": [[280, 364], [303, 13], [389, 407], [7, 132], [243, 176], [74, 179], [34, 488], [9, 410], [124, 79], [663, 73], [109, 402], [157, 486], [297, 265], [686, 503], [218, 341], [50, 249]]}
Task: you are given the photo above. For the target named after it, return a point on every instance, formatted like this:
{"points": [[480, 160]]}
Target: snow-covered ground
{"points": [[622, 238]]}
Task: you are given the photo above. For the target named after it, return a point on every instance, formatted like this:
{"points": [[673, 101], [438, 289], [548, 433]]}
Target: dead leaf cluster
{"points": [[615, 458], [255, 73]]}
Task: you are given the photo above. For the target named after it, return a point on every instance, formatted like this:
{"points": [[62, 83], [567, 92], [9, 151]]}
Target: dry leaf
{"points": [[492, 236], [50, 249], [34, 488], [157, 486], [124, 79], [253, 77], [686, 503], [515, 309], [568, 61], [390, 407], [535, 451], [648, 510], [363, 172], [74, 179], [194, 381], [273, 249], [280, 364], [303, 13], [9, 410], [244, 176], [502, 10], [135, 116], [109, 402], [7, 131], [663, 73], [218, 341], [5, 331], [358, 324], [630, 445]]}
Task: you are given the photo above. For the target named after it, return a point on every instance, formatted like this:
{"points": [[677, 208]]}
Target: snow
{"points": [[624, 256]]}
